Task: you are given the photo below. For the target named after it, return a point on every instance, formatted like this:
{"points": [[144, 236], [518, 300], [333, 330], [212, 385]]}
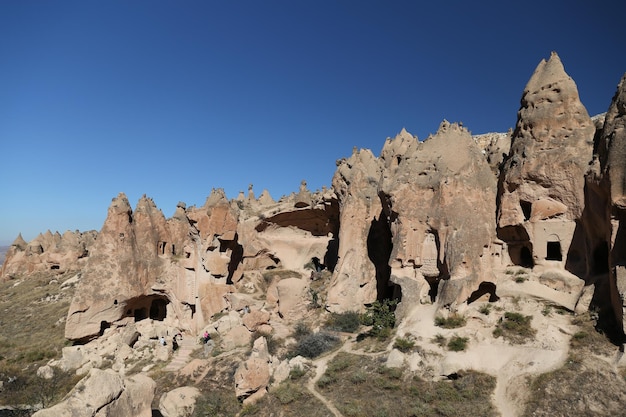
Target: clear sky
{"points": [[174, 98]]}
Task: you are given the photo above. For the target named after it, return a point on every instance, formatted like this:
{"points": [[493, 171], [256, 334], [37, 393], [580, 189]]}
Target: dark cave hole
{"points": [[526, 257], [553, 251], [485, 287], [526, 207], [147, 306], [601, 258]]}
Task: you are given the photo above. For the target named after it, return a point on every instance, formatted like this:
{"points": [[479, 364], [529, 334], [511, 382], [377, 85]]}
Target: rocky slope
{"points": [[454, 226]]}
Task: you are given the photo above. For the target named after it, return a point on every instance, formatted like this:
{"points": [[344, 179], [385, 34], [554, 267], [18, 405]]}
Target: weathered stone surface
{"points": [[607, 181], [292, 297], [356, 184], [543, 178], [255, 318], [179, 402], [440, 207], [106, 394], [48, 252], [252, 376], [135, 400]]}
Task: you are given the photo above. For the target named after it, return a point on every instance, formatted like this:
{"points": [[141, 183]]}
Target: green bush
{"points": [[404, 344], [381, 317], [514, 327], [348, 321], [457, 343]]}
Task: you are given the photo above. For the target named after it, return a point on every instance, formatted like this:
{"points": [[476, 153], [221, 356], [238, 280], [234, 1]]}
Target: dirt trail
{"points": [[320, 367]]}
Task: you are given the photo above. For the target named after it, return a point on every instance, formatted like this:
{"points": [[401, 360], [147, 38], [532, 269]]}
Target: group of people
{"points": [[175, 338]]}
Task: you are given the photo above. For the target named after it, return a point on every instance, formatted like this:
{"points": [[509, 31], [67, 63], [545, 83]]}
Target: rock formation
{"points": [[48, 252], [435, 225], [542, 183], [439, 205]]}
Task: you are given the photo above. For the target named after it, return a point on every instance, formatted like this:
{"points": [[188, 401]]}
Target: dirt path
{"points": [[320, 368]]}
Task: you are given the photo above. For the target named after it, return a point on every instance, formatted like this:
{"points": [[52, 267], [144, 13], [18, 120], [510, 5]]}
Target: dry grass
{"points": [[288, 399], [586, 384], [32, 328], [362, 386]]}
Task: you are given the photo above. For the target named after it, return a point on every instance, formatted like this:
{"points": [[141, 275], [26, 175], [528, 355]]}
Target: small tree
{"points": [[381, 317]]}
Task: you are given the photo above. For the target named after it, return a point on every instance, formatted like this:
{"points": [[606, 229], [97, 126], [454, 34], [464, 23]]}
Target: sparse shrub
{"points": [[296, 372], [216, 403], [249, 410], [381, 317], [485, 309], [326, 379], [315, 344], [520, 279], [546, 310], [514, 327], [404, 344], [391, 373], [287, 393], [348, 321], [315, 298], [439, 339], [457, 343], [301, 329], [358, 377], [451, 322], [342, 361]]}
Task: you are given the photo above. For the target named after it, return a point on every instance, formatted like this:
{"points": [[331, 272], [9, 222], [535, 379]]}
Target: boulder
{"points": [[94, 392], [179, 402], [252, 376]]}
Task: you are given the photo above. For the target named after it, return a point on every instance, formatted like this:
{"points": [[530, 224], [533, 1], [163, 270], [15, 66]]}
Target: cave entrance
{"points": [[379, 248], [601, 258], [158, 309], [526, 257], [553, 251], [520, 247], [485, 287], [147, 306]]}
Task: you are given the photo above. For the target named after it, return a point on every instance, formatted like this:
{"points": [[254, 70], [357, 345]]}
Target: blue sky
{"points": [[174, 98]]}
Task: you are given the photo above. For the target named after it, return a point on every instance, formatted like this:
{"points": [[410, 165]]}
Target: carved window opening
{"points": [[553, 251], [161, 248], [526, 207]]}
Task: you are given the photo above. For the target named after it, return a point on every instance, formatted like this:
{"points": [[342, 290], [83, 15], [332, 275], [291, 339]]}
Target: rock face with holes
{"points": [[542, 183], [118, 280], [439, 204], [605, 218]]}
